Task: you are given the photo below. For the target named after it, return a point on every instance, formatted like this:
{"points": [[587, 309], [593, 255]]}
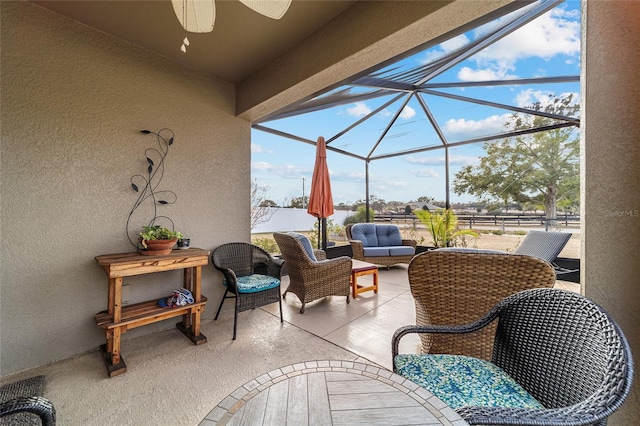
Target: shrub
{"points": [[267, 244], [443, 227]]}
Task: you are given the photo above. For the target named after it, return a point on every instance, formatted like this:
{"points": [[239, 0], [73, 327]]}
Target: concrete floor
{"points": [[172, 382]]}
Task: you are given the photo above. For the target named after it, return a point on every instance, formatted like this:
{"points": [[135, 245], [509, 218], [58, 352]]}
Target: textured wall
{"points": [[611, 169], [72, 103]]}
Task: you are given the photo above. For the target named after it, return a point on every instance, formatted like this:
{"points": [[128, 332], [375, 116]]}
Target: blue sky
{"points": [[548, 46]]}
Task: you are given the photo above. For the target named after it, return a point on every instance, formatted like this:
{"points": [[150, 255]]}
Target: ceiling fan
{"points": [[198, 16]]}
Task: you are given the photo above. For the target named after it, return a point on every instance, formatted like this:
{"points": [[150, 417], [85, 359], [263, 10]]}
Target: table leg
{"points": [[115, 298], [190, 324], [187, 283]]}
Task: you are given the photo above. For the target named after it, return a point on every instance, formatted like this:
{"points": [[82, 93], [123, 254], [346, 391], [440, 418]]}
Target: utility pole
{"points": [[303, 193]]}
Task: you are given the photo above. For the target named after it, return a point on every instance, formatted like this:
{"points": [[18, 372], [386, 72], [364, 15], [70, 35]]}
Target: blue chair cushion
{"points": [[306, 244], [375, 251], [401, 251], [388, 235], [461, 381], [255, 282], [365, 232]]}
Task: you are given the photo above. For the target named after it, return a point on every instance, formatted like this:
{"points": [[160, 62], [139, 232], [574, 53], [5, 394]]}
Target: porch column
{"points": [[610, 175]]}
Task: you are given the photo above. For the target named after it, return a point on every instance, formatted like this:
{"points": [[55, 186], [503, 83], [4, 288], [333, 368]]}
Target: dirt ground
{"points": [[508, 241]]}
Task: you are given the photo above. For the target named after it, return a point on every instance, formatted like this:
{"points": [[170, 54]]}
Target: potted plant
{"points": [[157, 240]]}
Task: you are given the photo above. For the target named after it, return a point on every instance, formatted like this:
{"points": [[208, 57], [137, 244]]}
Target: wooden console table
{"points": [[117, 319]]}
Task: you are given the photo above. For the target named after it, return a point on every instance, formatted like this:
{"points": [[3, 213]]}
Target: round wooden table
{"points": [[331, 393]]}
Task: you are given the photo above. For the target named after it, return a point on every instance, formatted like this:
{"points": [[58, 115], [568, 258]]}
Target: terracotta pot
{"points": [[155, 247]]}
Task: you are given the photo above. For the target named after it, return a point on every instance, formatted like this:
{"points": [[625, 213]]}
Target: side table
{"points": [[117, 319], [358, 269]]}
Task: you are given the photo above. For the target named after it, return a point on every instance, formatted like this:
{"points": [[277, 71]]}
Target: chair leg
{"points": [[302, 309], [280, 303], [348, 300], [235, 319], [221, 303]]}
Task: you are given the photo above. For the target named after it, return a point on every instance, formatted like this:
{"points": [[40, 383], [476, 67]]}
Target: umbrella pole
{"points": [[324, 233]]}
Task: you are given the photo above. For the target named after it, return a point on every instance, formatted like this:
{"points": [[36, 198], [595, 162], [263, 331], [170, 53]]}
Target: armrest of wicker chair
{"points": [[320, 254], [412, 243], [357, 248], [40, 406]]}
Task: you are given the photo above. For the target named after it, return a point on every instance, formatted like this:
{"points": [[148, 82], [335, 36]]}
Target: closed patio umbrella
{"points": [[320, 199]]}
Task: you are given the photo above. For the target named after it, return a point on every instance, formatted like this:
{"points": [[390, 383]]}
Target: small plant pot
{"points": [[156, 247], [184, 243]]}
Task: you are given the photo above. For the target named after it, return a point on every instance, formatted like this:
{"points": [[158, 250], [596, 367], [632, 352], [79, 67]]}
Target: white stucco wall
{"points": [[73, 102]]}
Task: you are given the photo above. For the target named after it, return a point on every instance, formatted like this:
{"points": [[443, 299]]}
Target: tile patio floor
{"points": [[366, 325]]}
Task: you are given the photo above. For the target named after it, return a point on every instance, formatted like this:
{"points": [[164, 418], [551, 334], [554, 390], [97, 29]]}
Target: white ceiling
{"points": [[241, 43]]}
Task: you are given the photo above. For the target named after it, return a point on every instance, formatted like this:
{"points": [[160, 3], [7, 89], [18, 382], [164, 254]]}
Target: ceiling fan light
{"points": [[185, 41], [195, 16], [274, 9], [183, 48]]}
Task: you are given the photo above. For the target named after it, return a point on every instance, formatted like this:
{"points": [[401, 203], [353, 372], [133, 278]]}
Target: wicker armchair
{"points": [[560, 347], [453, 288], [311, 280], [251, 277], [37, 405]]}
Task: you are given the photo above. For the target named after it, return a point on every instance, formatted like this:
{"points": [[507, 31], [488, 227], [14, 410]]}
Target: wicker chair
{"points": [[357, 248], [561, 348], [37, 405], [311, 280], [453, 288], [251, 277]]}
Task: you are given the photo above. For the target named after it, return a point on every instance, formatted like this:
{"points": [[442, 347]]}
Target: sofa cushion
{"points": [[402, 251], [376, 251], [306, 244], [365, 232], [461, 381], [388, 235]]}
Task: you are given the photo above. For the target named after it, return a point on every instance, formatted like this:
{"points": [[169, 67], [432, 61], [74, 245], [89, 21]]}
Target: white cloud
{"points": [[472, 128], [287, 171], [360, 109], [262, 165], [458, 160], [557, 32], [496, 71], [527, 98], [255, 148], [445, 48], [407, 112], [426, 172]]}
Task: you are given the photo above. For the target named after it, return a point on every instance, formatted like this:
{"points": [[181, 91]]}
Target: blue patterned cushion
{"points": [[461, 381], [255, 282]]}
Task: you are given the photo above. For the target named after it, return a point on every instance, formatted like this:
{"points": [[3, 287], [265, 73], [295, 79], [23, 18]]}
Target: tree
{"points": [[299, 202], [425, 199], [540, 167], [268, 203], [260, 211]]}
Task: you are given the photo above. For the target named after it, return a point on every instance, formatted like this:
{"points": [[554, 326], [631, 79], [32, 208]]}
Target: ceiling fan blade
{"points": [[274, 9], [195, 16]]}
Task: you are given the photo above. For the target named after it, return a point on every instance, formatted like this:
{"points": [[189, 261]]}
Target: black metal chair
{"points": [[561, 348], [37, 405], [251, 277]]}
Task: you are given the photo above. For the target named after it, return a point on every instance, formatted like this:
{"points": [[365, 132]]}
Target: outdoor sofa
{"points": [[380, 244]]}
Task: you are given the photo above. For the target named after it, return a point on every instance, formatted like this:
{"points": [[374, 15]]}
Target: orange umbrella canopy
{"points": [[320, 199]]}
